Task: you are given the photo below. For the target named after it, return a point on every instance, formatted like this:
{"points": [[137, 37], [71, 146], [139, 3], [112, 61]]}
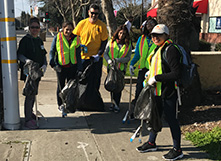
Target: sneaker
{"points": [[31, 124], [61, 108], [146, 147], [111, 108], [173, 154], [116, 109]]}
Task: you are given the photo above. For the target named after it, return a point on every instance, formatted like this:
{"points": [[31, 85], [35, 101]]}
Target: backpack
{"points": [[188, 68]]}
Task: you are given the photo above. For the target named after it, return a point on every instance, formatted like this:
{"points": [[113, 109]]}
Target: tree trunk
{"points": [[180, 18], [108, 11]]}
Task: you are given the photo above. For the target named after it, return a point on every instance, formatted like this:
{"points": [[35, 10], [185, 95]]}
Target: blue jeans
{"points": [[168, 106]]}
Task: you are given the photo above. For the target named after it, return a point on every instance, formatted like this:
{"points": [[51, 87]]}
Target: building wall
{"points": [[214, 10], [209, 69]]}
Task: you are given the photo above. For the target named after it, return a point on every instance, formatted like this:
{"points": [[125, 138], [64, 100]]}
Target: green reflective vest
{"points": [[66, 53], [145, 49], [115, 52]]}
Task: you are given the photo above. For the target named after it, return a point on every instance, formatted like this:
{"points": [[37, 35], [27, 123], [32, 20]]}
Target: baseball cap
{"points": [[160, 29]]}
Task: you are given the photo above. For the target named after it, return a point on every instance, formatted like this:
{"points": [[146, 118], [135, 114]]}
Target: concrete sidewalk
{"points": [[82, 136]]}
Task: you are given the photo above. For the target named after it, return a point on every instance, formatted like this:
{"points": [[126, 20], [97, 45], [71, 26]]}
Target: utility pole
{"points": [[11, 120], [141, 17]]}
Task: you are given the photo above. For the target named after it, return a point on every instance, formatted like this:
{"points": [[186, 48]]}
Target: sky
{"points": [[22, 5]]}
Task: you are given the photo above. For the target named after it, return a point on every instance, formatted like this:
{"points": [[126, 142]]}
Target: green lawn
{"points": [[210, 142]]}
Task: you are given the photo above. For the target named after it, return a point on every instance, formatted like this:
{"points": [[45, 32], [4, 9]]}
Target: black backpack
{"points": [[188, 69]]}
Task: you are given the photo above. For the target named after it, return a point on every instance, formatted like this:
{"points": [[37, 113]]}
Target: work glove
{"points": [[79, 73], [147, 74], [28, 61], [151, 81], [131, 69], [57, 68], [43, 68], [96, 58], [109, 61]]}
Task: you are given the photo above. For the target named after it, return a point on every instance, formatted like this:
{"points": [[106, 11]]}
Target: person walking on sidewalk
{"points": [[94, 35], [31, 49], [165, 70], [143, 48], [65, 57], [118, 48]]}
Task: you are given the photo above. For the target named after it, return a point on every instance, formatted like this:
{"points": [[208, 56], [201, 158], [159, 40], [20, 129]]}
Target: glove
{"points": [[96, 58], [57, 69], [28, 61], [79, 73], [151, 81], [43, 68], [109, 61], [131, 69], [147, 74]]}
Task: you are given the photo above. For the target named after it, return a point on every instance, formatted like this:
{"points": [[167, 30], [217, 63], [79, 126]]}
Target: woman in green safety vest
{"points": [[65, 57], [163, 75], [143, 49], [118, 48]]}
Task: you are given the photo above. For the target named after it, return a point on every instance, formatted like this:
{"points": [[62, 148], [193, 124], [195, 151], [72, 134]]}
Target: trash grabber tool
{"points": [[36, 110], [141, 130], [129, 109], [135, 134]]}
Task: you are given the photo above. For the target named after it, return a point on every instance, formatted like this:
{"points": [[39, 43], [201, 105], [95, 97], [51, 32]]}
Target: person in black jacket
{"points": [[165, 70], [31, 49]]}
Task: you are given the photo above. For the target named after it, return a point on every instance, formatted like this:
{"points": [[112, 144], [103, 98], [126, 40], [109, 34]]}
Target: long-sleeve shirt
{"points": [[124, 60]]}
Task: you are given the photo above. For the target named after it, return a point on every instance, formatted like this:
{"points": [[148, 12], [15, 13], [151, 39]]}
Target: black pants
{"points": [[139, 85], [168, 106], [97, 71], [64, 76], [29, 104]]}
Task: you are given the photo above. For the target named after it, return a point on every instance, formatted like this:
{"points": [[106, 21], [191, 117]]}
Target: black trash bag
{"points": [[146, 109], [69, 95], [30, 87], [33, 72], [33, 69], [114, 81], [89, 97]]}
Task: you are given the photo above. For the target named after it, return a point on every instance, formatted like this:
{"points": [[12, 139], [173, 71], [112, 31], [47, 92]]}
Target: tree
{"points": [[184, 28], [108, 11]]}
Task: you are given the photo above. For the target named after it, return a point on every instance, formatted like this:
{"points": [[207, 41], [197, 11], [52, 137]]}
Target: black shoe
{"points": [[146, 147], [173, 154], [116, 109], [111, 108]]}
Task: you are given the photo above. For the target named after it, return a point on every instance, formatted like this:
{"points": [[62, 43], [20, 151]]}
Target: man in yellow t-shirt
{"points": [[94, 35]]}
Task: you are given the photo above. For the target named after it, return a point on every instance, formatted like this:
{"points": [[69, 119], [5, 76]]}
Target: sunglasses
{"points": [[35, 27], [94, 13]]}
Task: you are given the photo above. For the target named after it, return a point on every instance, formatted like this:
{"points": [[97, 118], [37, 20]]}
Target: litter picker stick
{"points": [[141, 130], [129, 109], [178, 95], [135, 134], [36, 110]]}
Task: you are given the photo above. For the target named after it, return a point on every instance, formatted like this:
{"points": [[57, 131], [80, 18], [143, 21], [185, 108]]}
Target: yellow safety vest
{"points": [[145, 49], [155, 62], [115, 52], [66, 53]]}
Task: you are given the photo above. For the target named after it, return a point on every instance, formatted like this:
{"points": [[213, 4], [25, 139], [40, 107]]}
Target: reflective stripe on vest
{"points": [[66, 53], [143, 51], [114, 52], [155, 62]]}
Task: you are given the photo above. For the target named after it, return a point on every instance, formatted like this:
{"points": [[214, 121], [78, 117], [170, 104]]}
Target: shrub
{"points": [[218, 47], [204, 46]]}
